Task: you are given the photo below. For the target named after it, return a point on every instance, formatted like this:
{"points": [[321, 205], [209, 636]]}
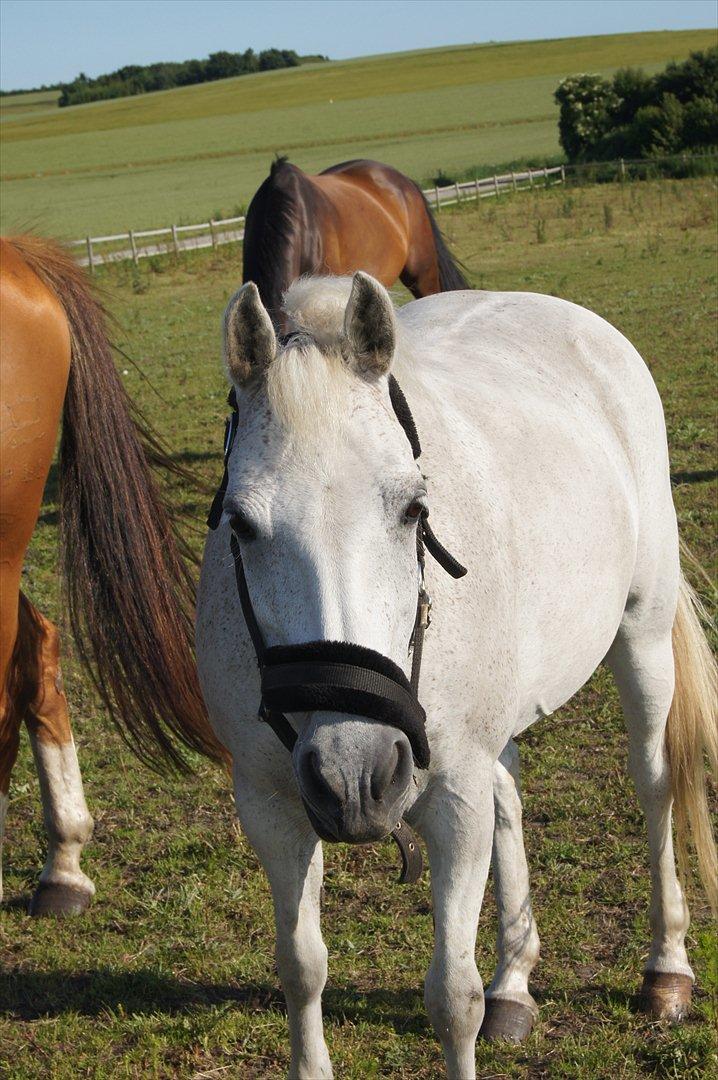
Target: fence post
{"points": [[436, 195], [176, 241], [211, 233], [476, 185], [496, 185], [458, 193], [513, 180], [90, 259], [563, 175], [531, 178], [545, 176], [133, 245]]}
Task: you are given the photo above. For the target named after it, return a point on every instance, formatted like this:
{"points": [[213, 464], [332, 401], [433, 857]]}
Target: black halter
{"points": [[340, 676]]}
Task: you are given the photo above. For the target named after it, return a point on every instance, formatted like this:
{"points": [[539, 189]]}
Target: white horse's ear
{"points": [[250, 344], [369, 326]]}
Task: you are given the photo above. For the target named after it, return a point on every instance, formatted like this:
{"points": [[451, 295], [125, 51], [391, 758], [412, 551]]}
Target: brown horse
{"points": [[360, 215], [129, 595]]}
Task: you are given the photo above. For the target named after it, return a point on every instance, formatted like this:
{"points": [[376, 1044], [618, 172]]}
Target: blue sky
{"points": [[46, 41]]}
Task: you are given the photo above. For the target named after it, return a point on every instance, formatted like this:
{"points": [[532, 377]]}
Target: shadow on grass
{"points": [[30, 996], [699, 477]]}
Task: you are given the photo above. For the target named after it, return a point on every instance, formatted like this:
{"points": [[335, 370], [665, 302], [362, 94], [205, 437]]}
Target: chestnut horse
{"points": [[129, 596], [359, 215]]}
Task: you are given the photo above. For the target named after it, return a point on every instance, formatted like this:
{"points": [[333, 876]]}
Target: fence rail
{"points": [[214, 233]]}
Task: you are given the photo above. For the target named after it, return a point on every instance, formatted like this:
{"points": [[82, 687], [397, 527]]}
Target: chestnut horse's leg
{"points": [[510, 1009], [643, 667], [10, 688], [63, 888], [9, 741]]}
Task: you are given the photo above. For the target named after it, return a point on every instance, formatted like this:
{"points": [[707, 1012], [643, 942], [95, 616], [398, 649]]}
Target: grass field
{"points": [[189, 153], [171, 972]]}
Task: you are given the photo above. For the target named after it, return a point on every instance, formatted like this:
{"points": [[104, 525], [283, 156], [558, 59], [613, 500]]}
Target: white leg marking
{"points": [[644, 674], [67, 819], [458, 826], [518, 941], [291, 855]]}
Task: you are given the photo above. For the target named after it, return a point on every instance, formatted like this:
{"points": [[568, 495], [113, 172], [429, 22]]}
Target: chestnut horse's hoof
{"points": [[665, 995], [506, 1020], [58, 900]]}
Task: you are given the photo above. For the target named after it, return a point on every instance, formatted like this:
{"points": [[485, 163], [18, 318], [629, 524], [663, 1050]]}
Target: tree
{"points": [[587, 102]]}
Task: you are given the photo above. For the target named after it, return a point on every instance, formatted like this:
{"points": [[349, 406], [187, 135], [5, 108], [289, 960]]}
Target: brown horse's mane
{"points": [[129, 591], [272, 230]]}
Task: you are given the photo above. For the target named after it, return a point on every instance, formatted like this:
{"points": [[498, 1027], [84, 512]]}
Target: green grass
{"points": [[186, 153], [171, 972]]}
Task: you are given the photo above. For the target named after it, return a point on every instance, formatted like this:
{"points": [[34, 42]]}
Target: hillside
{"points": [[188, 153]]}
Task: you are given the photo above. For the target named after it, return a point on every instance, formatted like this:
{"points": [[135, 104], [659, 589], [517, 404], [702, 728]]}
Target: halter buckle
{"points": [[424, 610]]}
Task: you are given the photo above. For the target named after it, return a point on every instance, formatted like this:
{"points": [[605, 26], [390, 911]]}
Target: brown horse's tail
{"points": [[451, 276], [692, 738], [129, 592]]}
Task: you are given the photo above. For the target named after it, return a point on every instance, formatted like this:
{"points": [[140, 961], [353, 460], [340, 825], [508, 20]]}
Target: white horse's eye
{"points": [[242, 527], [414, 510]]}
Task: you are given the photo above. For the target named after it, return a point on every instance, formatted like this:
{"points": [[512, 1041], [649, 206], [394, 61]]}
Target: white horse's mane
{"points": [[308, 384]]}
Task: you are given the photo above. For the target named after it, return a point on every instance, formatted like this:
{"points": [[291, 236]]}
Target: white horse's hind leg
{"points": [[278, 830], [644, 672], [457, 825], [510, 1009]]}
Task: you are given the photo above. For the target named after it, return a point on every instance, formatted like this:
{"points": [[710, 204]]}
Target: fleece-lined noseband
{"points": [[338, 676]]}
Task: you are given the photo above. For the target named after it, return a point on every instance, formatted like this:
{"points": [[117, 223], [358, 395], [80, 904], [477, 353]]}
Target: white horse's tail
{"points": [[691, 733]]}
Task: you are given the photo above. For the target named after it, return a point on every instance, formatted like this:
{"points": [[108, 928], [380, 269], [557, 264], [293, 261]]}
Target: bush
{"points": [[635, 115], [700, 122], [587, 102]]}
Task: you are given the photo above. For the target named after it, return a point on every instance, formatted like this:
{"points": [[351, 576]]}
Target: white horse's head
{"points": [[324, 497]]}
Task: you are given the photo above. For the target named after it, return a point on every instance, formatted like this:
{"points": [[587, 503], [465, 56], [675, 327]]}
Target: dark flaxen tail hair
{"points": [[451, 277], [130, 595]]}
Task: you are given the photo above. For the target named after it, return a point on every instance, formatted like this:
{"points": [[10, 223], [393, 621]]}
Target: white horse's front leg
{"points": [[510, 1009], [291, 854], [458, 826]]}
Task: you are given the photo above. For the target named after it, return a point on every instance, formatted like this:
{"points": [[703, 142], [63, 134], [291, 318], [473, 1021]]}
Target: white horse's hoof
{"points": [[666, 995], [506, 1020], [56, 899]]}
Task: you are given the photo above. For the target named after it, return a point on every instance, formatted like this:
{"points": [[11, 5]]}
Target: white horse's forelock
{"points": [[307, 385], [317, 305]]}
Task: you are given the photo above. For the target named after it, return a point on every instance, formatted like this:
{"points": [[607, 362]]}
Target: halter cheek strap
{"points": [[341, 676]]}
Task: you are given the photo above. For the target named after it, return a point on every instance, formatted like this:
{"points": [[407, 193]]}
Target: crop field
{"points": [[171, 972], [203, 150]]}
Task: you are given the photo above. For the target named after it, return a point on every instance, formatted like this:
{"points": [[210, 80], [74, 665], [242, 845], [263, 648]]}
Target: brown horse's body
{"points": [[359, 215], [130, 600]]}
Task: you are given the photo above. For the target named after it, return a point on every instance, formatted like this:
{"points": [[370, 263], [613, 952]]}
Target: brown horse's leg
{"points": [[63, 888], [9, 742], [421, 275]]}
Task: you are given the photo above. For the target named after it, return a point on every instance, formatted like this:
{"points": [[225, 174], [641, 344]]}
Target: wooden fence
{"points": [[211, 234]]}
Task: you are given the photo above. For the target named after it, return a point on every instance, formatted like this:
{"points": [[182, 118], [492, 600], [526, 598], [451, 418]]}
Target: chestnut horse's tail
{"points": [[451, 275], [130, 594], [692, 739]]}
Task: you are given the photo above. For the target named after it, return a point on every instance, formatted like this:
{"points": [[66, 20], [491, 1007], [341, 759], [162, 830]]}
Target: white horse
{"points": [[545, 461]]}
